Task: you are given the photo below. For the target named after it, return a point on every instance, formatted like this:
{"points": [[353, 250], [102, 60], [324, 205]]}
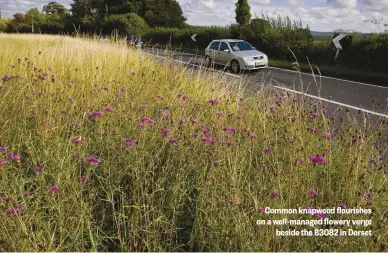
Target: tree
{"points": [[35, 19], [125, 24], [54, 8], [166, 13], [243, 12]]}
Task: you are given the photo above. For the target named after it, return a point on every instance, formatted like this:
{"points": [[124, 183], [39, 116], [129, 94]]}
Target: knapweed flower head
{"points": [[274, 194], [314, 129], [265, 166], [160, 97], [231, 201], [108, 109], [314, 115], [214, 180], [2, 162], [84, 178], [3, 149], [213, 101], [313, 193], [173, 141], [39, 169], [95, 114], [343, 206], [133, 73], [367, 196], [165, 132], [5, 199], [193, 121], [267, 151], [78, 142], [146, 120], [290, 141], [128, 142], [328, 137], [220, 114], [261, 209], [92, 160], [207, 139], [13, 210], [318, 159], [300, 160], [253, 136], [216, 164], [230, 129], [230, 143], [14, 157], [55, 189], [28, 194], [206, 131]]}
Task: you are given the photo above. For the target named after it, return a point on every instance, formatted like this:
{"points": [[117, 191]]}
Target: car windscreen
{"points": [[241, 46]]}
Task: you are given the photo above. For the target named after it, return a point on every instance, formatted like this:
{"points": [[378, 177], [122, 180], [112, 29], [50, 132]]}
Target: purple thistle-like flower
{"points": [[328, 137], [343, 206], [185, 97], [267, 151], [39, 169], [53, 78], [108, 109], [320, 215], [95, 114], [13, 210], [106, 88], [5, 199], [214, 180], [3, 149], [230, 143], [318, 159], [14, 157], [216, 164], [2, 162], [28, 194], [92, 160], [128, 142], [231, 129], [314, 115], [314, 129], [261, 209], [133, 73], [213, 101], [84, 178], [206, 131], [300, 160], [165, 132], [220, 114], [367, 196], [274, 194], [78, 142], [265, 166], [290, 141], [166, 116], [146, 120], [253, 136], [231, 201], [313, 193], [55, 189], [193, 121], [207, 139], [173, 141], [160, 97]]}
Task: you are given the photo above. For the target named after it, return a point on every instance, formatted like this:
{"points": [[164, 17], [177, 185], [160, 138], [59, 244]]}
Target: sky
{"points": [[320, 15]]}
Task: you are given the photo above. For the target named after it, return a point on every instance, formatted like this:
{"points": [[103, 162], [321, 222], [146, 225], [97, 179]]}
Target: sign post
{"points": [[337, 44]]}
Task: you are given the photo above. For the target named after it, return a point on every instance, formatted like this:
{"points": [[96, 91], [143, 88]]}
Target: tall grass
{"points": [[119, 152]]}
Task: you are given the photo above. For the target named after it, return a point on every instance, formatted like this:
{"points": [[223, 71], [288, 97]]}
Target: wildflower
{"points": [[238, 117], [374, 100], [108, 109], [14, 157], [274, 194], [214, 180], [35, 69], [267, 151], [173, 141], [193, 121], [290, 141], [317, 159], [146, 120], [39, 169], [84, 178], [314, 115], [53, 78], [231, 201], [128, 142], [75, 156], [172, 66], [320, 215], [300, 160], [314, 129], [3, 149], [328, 137], [367, 196], [213, 101], [220, 114], [92, 160], [95, 114], [206, 131], [5, 199], [78, 142], [13, 210], [253, 136], [28, 194], [181, 121], [2, 162], [179, 95], [185, 97], [230, 143], [265, 166], [313, 193], [207, 139], [106, 88], [261, 209], [216, 164], [55, 189], [160, 97], [166, 116], [165, 132], [133, 73], [231, 129], [343, 206]]}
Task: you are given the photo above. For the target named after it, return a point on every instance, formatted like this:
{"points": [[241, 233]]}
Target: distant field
{"points": [[104, 149]]}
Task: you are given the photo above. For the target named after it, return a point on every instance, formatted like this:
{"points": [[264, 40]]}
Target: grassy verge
{"points": [[102, 149]]}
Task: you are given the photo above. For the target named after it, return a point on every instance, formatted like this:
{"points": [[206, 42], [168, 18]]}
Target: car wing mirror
{"points": [[226, 50]]}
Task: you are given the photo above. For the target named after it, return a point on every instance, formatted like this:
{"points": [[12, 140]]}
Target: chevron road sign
{"points": [[193, 37], [337, 44]]}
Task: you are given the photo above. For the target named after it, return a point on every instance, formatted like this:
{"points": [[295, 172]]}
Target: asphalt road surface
{"points": [[371, 99]]}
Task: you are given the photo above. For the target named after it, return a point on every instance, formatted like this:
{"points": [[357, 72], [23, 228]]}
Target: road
{"points": [[356, 96]]}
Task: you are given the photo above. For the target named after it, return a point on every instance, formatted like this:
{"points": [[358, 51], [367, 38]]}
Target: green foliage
{"points": [[3, 25], [243, 12], [167, 13], [125, 24], [54, 8], [35, 19]]}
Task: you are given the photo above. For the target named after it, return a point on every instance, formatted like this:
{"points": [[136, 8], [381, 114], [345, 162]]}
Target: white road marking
{"points": [[343, 80], [294, 91], [334, 102]]}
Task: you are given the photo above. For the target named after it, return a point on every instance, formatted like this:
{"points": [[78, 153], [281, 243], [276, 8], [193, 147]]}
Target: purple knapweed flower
{"points": [[320, 215], [231, 201], [300, 160], [173, 141], [207, 139], [214, 180], [128, 142], [265, 166], [220, 114], [290, 141], [213, 101], [314, 115], [206, 131], [274, 194], [28, 194], [216, 164], [185, 97], [35, 69], [313, 193], [343, 206], [95, 114], [318, 159], [2, 162], [53, 78], [367, 196], [108, 109], [14, 157], [166, 116], [5, 199], [261, 209], [39, 169], [181, 121], [6, 78], [231, 129], [3, 149], [92, 160], [314, 129], [193, 121], [55, 189], [328, 137], [160, 97], [146, 120], [84, 178], [165, 132], [267, 151], [253, 136], [230, 143], [13, 210], [133, 73], [106, 88], [78, 142]]}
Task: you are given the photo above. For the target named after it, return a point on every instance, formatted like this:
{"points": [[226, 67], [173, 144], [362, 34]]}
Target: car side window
{"points": [[214, 45], [223, 46]]}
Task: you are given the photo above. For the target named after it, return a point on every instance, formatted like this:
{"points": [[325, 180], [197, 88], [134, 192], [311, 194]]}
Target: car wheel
{"points": [[208, 61], [235, 66]]}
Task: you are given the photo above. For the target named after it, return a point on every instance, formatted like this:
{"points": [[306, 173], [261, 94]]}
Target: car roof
{"points": [[229, 40]]}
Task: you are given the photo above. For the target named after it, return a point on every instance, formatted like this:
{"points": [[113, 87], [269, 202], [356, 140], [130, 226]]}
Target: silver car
{"points": [[237, 54]]}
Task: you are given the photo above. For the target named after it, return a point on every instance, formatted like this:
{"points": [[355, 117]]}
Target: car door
{"points": [[213, 50], [222, 55]]}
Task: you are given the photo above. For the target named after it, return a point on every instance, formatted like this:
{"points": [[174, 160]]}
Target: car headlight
{"points": [[248, 58]]}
